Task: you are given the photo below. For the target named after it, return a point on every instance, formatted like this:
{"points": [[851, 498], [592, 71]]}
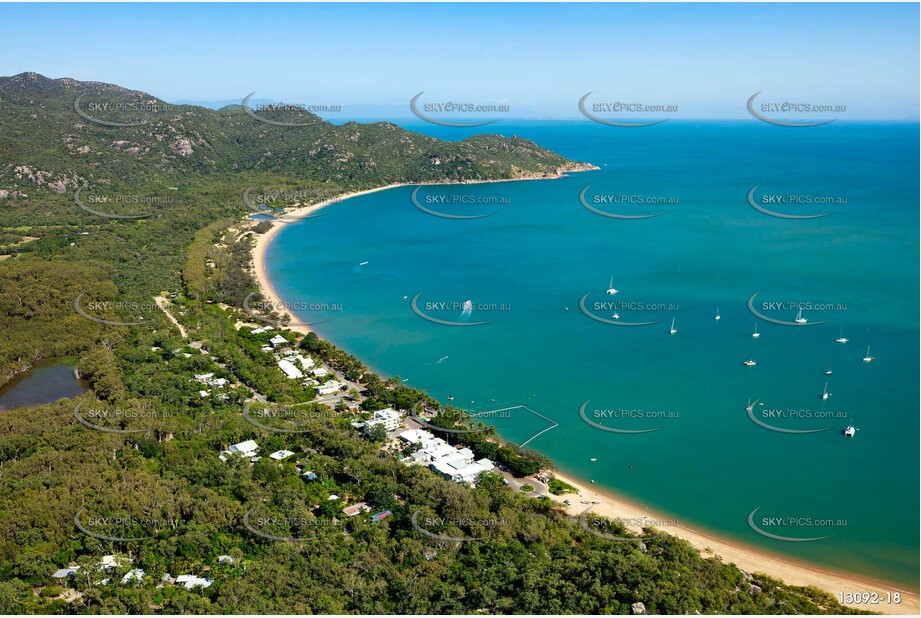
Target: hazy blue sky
{"points": [[707, 59]]}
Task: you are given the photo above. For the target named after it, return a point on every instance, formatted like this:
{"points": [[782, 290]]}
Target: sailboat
{"points": [[851, 430], [841, 338], [611, 289], [867, 358], [673, 329], [749, 362], [825, 393], [756, 334], [799, 318], [717, 314], [828, 371]]}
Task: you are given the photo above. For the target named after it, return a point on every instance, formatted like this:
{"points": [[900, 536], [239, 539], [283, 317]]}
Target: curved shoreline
{"points": [[788, 570]]}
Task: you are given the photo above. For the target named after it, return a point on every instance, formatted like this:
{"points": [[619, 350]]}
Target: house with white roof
{"points": [[243, 449], [133, 575], [190, 581], [416, 436], [282, 454], [278, 340], [289, 369], [305, 361], [461, 472], [319, 372]]}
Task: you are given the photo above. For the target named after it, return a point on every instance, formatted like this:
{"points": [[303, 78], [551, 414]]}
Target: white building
{"points": [[278, 340], [388, 417], [133, 575], [461, 472], [305, 361], [282, 454], [416, 436], [320, 372], [190, 581], [263, 329], [289, 369], [243, 449]]}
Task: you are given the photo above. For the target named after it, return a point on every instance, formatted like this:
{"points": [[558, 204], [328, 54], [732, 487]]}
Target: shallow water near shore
{"points": [[539, 357]]}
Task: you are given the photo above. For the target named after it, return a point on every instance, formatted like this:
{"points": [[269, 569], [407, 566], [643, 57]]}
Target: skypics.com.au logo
{"points": [[465, 312], [780, 113], [454, 109], [615, 113]]}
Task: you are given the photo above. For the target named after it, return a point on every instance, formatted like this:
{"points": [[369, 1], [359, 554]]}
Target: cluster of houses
{"points": [[110, 562], [455, 463], [248, 450], [208, 379], [362, 507], [297, 366]]}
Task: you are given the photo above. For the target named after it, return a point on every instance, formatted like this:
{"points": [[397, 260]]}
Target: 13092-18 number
{"points": [[869, 598]]}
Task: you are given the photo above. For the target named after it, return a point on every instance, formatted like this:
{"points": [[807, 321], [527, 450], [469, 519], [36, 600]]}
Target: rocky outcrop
{"points": [[182, 147]]}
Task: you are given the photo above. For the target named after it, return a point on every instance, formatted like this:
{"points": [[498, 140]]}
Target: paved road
{"points": [[540, 489]]}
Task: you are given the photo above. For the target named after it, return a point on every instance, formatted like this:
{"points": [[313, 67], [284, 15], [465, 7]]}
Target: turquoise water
{"points": [[709, 465]]}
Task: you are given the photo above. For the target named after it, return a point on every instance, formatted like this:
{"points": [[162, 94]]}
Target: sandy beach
{"points": [[264, 240], [746, 558]]}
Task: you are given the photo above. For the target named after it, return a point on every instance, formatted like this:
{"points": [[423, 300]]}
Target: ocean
{"points": [[509, 286]]}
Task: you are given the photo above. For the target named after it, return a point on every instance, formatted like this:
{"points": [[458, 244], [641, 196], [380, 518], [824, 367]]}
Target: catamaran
{"points": [[756, 334], [841, 338], [611, 289], [749, 363], [867, 358], [799, 318], [673, 329], [851, 430]]}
